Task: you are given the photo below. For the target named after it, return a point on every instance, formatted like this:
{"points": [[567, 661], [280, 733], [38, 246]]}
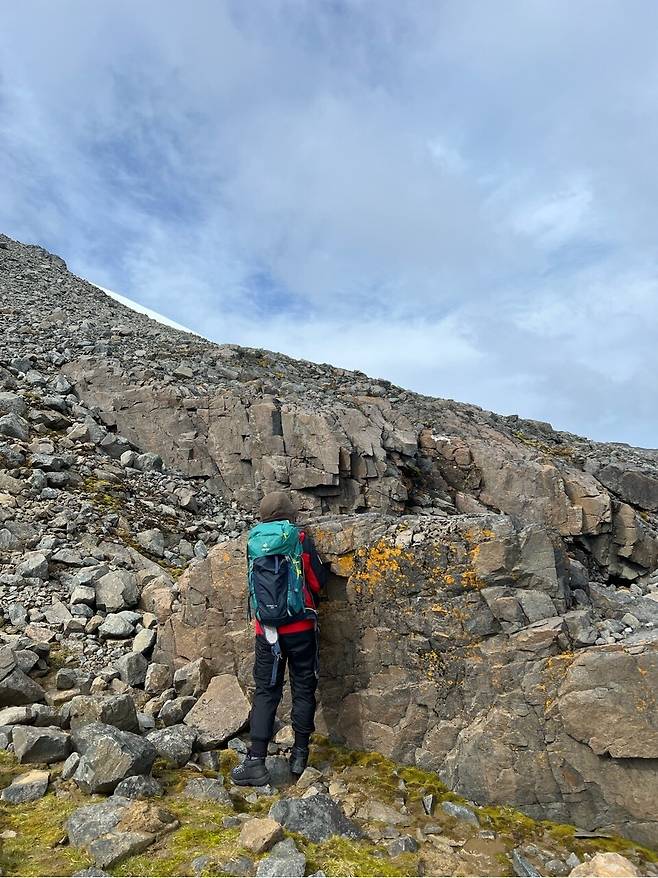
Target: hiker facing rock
{"points": [[285, 576]]}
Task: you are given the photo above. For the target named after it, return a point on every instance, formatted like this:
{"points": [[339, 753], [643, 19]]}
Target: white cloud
{"points": [[456, 196]]}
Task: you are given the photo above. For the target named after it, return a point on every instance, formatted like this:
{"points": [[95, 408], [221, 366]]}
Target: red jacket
{"points": [[314, 578]]}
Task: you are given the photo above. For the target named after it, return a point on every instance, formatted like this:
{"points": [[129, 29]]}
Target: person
{"points": [[297, 648]]}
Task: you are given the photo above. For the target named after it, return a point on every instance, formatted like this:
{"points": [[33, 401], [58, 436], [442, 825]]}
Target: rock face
{"points": [[457, 644]]}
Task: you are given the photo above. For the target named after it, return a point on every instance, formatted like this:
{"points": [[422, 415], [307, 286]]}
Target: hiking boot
{"points": [[252, 773], [298, 760]]}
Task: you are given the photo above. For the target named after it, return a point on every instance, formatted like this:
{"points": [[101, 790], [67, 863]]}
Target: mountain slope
{"points": [[494, 581]]}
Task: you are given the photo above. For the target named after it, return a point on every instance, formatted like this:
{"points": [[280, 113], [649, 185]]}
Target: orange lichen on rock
{"points": [[380, 562]]}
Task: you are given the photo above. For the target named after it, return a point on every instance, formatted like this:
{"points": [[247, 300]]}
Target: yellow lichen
{"points": [[382, 561]]}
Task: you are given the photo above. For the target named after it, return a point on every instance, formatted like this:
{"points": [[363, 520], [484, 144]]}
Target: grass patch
{"points": [[341, 856], [378, 776], [9, 768], [37, 848], [616, 845], [201, 833]]}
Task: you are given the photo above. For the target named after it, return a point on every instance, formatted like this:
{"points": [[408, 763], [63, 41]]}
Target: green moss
{"points": [[617, 845], [9, 768], [340, 856], [557, 450], [228, 759], [59, 656], [104, 494], [561, 832], [201, 832], [509, 822], [37, 848], [378, 776]]}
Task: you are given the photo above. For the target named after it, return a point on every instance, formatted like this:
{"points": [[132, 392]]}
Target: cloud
{"points": [[456, 197]]}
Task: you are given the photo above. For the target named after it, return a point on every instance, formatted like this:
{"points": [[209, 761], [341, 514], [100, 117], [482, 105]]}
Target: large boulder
{"points": [[111, 710], [117, 828], [108, 755], [220, 712], [16, 688], [317, 818], [47, 744], [174, 744], [116, 590], [26, 787]]}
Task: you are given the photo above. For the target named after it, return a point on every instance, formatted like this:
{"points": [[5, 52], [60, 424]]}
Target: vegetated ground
{"points": [[34, 841]]}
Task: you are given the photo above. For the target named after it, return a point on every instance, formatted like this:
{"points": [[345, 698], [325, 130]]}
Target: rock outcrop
{"points": [[457, 644]]}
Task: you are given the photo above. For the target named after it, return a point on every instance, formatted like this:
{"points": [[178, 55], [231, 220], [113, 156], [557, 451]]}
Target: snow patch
{"points": [[141, 309]]}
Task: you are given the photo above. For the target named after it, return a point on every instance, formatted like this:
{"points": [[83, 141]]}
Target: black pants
{"points": [[299, 651]]}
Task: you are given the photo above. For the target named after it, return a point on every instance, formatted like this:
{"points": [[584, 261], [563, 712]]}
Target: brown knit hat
{"points": [[277, 506]]}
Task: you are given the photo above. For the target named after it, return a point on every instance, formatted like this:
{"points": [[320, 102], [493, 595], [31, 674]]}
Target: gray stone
{"points": [[237, 866], [630, 620], [279, 770], [83, 594], [115, 626], [12, 403], [93, 821], [144, 641], [108, 755], [18, 615], [26, 788], [148, 462], [47, 744], [238, 745], [158, 678], [203, 864], [285, 859], [110, 849], [405, 844], [174, 743], [207, 789], [66, 678], [111, 710], [146, 722], [522, 868], [132, 668], [128, 458], [70, 766], [208, 759], [33, 566], [45, 715], [116, 590], [460, 812], [175, 710], [14, 426], [10, 716], [16, 688], [152, 541], [220, 712], [26, 660], [316, 818], [193, 678], [139, 786], [7, 540], [91, 872]]}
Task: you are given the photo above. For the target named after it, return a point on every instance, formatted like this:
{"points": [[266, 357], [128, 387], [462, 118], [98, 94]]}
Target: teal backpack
{"points": [[275, 573]]}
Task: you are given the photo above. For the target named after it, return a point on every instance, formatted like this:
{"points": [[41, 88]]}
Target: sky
{"points": [[460, 196]]}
